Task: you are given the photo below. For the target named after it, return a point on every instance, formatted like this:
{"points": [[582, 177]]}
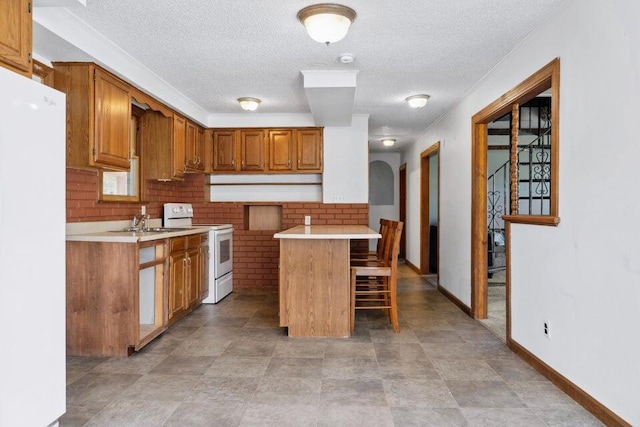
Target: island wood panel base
{"points": [[314, 287]]}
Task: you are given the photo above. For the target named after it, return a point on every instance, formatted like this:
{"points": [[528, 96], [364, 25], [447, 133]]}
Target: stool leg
{"points": [[393, 311]]}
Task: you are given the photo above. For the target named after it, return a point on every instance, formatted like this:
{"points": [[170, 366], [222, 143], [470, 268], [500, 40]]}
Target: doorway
{"points": [[402, 190], [430, 209], [544, 82]]}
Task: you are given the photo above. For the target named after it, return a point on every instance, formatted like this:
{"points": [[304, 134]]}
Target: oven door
{"points": [[223, 251]]}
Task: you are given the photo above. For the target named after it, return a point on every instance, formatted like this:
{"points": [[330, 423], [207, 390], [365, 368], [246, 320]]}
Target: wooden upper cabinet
{"points": [[252, 149], [112, 121], [200, 150], [179, 146], [271, 150], [98, 116], [309, 145], [195, 148], [224, 150], [163, 146], [15, 35], [191, 158], [281, 150]]}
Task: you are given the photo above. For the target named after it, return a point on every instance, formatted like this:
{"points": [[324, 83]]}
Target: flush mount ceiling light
{"points": [[388, 142], [417, 101], [346, 58], [327, 22], [249, 104]]}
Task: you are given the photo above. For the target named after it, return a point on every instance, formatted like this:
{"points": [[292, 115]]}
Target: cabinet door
{"points": [[194, 283], [179, 148], [280, 149], [252, 149], [15, 35], [177, 282], [191, 157], [112, 121], [199, 150], [309, 150], [224, 150]]}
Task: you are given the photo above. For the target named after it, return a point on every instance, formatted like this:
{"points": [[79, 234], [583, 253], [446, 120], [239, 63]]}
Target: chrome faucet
{"points": [[137, 219], [140, 222]]}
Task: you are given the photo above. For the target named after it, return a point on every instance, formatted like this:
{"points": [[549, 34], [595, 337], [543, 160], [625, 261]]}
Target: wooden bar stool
{"points": [[378, 253], [374, 283]]}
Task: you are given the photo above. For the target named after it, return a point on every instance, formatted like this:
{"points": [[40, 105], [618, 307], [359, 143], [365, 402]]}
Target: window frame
{"points": [[134, 150]]}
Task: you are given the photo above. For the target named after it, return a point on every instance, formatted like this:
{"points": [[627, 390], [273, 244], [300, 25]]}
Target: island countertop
{"points": [[314, 278], [328, 232]]}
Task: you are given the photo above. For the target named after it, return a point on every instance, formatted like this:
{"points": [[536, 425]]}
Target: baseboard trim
{"points": [[462, 306], [411, 266], [583, 398]]}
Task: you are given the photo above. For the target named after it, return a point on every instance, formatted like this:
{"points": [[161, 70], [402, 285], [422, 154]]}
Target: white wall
{"points": [[346, 162], [589, 287], [386, 211]]}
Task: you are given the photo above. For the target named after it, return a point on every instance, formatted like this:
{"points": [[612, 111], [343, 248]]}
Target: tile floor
{"points": [[231, 365]]}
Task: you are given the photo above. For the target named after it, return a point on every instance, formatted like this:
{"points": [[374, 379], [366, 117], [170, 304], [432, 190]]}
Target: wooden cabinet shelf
{"points": [[273, 150], [98, 116], [171, 146], [195, 138], [163, 146], [15, 36]]}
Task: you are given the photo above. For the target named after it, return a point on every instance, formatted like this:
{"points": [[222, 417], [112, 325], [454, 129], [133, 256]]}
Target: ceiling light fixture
{"points": [[388, 142], [417, 101], [327, 22], [346, 58], [249, 104]]}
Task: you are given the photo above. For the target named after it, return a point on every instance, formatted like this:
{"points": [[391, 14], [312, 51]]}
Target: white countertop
{"points": [[107, 231], [328, 232]]}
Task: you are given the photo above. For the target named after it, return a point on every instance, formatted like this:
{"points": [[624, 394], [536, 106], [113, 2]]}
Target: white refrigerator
{"points": [[32, 252]]}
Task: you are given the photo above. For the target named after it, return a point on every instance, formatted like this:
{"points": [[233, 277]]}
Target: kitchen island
{"points": [[314, 278]]}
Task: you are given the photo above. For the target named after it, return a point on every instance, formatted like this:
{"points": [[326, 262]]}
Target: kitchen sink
{"points": [[148, 230]]}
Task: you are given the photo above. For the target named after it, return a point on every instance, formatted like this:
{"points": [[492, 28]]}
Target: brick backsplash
{"points": [[256, 252]]}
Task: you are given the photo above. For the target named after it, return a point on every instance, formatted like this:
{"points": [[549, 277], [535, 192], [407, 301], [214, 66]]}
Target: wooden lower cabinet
{"points": [[177, 285], [187, 273], [120, 296], [115, 296]]}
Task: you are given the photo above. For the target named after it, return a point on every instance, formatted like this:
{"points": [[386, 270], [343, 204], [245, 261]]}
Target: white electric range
{"points": [[180, 215]]}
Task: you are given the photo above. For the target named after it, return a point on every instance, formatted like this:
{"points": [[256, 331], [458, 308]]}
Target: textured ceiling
{"points": [[216, 51]]}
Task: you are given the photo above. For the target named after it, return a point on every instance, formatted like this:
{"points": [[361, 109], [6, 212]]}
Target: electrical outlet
{"points": [[547, 330]]}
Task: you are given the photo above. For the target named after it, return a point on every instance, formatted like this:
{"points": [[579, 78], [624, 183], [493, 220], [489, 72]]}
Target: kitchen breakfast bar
{"points": [[314, 278]]}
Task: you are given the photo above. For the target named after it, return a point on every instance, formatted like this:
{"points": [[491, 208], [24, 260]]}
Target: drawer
{"points": [[178, 244], [193, 241], [204, 241]]}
